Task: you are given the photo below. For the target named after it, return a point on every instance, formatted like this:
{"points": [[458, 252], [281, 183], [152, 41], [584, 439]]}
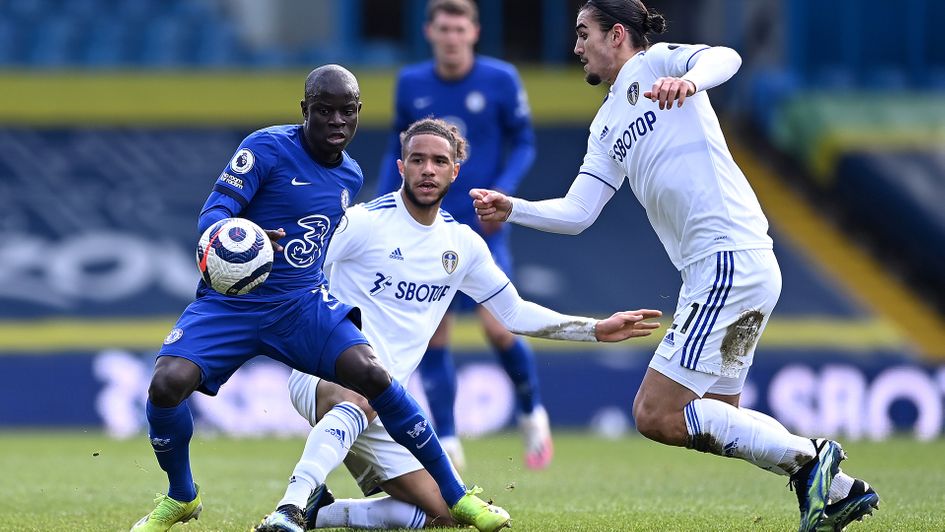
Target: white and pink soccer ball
{"points": [[234, 256]]}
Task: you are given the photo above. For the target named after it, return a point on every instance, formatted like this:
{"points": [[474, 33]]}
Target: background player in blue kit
{"points": [[296, 177], [485, 99]]}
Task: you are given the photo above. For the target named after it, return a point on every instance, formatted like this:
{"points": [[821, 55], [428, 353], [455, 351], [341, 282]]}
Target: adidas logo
{"points": [[337, 433], [396, 255], [669, 339]]}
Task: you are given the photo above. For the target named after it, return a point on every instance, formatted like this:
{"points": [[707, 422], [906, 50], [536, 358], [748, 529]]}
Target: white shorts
{"points": [[724, 306], [374, 457]]}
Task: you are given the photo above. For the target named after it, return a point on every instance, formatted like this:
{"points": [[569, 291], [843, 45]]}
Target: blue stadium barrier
{"points": [[834, 394]]}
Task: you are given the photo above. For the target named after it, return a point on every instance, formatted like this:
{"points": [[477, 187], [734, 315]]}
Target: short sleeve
{"points": [[600, 165], [674, 60], [248, 167], [484, 278], [350, 237]]}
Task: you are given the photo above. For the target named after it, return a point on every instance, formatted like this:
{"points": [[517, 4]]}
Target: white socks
{"points": [[379, 513], [720, 428], [755, 437], [327, 445]]}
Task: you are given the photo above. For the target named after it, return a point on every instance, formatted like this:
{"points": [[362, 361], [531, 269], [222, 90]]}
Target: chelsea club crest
{"points": [[173, 336], [633, 93], [345, 199], [450, 261]]}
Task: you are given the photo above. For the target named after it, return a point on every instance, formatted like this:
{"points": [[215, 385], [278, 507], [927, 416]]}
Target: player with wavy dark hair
{"points": [[705, 213]]}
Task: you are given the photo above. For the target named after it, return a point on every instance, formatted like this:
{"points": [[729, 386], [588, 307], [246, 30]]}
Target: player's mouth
{"points": [[427, 186], [337, 138]]}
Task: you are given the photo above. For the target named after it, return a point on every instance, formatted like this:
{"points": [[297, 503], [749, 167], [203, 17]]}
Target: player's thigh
{"points": [[309, 333], [375, 458], [724, 306], [218, 336], [313, 397]]}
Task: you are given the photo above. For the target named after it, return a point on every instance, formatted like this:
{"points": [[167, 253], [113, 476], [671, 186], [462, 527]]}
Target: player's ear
{"points": [[619, 32], [400, 167], [304, 109], [455, 172]]}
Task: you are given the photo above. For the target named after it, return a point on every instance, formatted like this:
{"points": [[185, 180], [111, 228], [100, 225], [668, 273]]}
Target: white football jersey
{"points": [[676, 161], [403, 275]]}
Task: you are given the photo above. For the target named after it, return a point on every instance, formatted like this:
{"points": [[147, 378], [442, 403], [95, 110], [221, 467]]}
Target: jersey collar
{"points": [[624, 72], [402, 209]]}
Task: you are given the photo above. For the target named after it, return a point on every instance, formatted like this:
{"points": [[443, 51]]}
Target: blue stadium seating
{"points": [[114, 34]]}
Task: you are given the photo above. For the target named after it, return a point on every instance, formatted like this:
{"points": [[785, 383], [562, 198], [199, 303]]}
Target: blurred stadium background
{"points": [[117, 115]]}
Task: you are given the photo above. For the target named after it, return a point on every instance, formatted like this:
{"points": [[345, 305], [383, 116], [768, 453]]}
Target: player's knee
{"points": [[650, 422], [370, 380], [174, 379], [166, 390], [376, 379], [647, 423]]}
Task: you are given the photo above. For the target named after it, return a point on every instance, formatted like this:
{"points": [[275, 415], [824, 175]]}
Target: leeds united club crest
{"points": [[450, 261], [633, 93]]}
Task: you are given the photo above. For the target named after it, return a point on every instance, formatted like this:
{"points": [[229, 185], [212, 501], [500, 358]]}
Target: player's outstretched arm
{"points": [[531, 319], [627, 324], [569, 215]]}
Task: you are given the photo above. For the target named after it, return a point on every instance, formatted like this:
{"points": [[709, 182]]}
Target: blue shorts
{"points": [[499, 246], [306, 331]]}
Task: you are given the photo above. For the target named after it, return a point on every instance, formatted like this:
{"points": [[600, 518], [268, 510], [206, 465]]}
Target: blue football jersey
{"points": [[490, 108], [277, 183]]}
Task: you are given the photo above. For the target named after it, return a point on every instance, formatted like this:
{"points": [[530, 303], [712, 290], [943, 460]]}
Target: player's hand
{"points": [[627, 324], [274, 235], [669, 90], [491, 206]]}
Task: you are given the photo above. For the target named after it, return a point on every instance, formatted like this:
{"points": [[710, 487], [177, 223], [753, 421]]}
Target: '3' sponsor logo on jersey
{"points": [[381, 282], [303, 252]]}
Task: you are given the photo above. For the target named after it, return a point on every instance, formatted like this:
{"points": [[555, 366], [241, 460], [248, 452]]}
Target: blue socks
{"points": [[519, 363], [438, 375], [406, 423], [171, 429]]}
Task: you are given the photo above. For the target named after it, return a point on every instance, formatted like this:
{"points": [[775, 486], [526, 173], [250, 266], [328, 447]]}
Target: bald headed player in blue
{"points": [[299, 179]]}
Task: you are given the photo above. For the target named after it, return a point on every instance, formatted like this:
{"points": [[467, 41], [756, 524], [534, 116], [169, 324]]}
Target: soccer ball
{"points": [[234, 256]]}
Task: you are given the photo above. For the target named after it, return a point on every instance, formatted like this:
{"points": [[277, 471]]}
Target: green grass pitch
{"points": [[87, 482]]}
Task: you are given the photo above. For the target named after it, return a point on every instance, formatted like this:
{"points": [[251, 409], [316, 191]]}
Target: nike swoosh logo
{"points": [[420, 446], [296, 182]]}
